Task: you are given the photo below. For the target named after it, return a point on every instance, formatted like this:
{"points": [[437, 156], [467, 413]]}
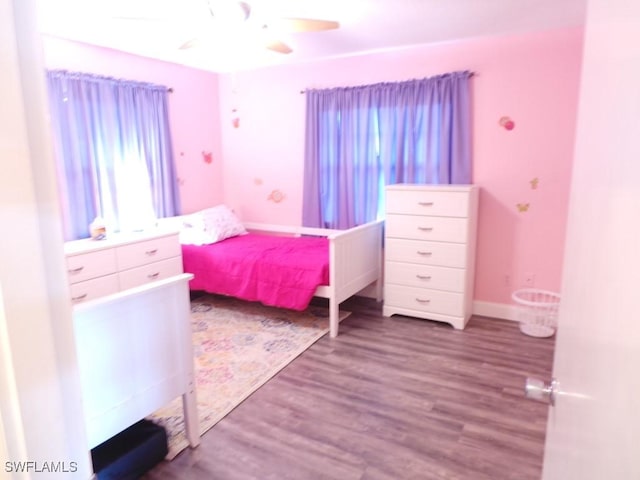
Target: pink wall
{"points": [[532, 78], [194, 111]]}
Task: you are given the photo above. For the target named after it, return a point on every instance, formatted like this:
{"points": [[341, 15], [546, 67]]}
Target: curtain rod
{"points": [[473, 74]]}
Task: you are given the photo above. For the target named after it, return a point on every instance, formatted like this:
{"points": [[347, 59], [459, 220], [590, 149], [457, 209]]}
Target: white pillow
{"points": [[211, 225], [193, 236], [176, 223], [183, 224]]}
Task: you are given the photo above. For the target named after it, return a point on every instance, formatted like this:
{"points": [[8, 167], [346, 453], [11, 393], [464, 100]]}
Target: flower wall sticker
{"points": [[207, 157], [534, 183], [506, 123], [522, 207], [276, 196], [235, 118]]}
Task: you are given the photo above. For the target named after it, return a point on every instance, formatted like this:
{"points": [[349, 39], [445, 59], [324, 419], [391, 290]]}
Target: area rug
{"points": [[238, 346]]}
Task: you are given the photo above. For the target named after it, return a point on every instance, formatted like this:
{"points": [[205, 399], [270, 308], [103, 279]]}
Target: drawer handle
{"points": [[426, 254], [153, 275], [423, 277], [79, 297], [76, 270], [422, 300], [425, 229], [151, 252], [425, 204]]}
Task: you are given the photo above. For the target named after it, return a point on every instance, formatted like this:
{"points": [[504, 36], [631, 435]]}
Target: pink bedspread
{"points": [[278, 271]]}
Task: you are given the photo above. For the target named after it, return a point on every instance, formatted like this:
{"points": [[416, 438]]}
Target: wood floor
{"points": [[388, 399]]}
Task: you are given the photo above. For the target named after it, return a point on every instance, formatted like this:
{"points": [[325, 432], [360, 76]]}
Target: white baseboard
{"points": [[494, 310]]}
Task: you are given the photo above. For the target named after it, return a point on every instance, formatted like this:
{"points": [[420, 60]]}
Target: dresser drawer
{"points": [[426, 253], [91, 265], [416, 227], [415, 202], [150, 273], [94, 288], [425, 276], [424, 300], [142, 253]]}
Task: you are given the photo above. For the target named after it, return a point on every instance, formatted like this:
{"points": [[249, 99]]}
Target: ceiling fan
{"points": [[234, 15]]}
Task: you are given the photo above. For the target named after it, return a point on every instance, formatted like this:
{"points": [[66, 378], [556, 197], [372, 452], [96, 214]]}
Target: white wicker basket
{"points": [[537, 311]]}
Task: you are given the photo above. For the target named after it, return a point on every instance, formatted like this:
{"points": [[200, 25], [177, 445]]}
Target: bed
{"points": [[282, 266], [135, 355]]}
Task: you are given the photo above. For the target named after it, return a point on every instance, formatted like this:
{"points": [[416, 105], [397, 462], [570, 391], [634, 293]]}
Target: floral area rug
{"points": [[238, 346]]}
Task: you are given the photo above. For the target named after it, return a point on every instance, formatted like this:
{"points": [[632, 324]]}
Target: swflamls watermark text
{"points": [[40, 467]]}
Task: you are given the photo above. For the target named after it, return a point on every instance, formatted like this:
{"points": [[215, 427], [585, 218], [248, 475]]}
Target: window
{"points": [[113, 150], [359, 139]]}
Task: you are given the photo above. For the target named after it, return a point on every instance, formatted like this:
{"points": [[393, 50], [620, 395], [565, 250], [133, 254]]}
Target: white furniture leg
{"points": [[190, 408], [334, 318]]}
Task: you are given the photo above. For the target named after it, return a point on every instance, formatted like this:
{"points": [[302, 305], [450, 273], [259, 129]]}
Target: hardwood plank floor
{"points": [[390, 398]]}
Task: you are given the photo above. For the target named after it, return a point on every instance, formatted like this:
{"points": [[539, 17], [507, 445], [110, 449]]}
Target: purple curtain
{"points": [[114, 151], [359, 139]]}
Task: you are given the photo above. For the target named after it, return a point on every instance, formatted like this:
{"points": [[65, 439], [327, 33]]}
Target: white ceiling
{"points": [[157, 28]]}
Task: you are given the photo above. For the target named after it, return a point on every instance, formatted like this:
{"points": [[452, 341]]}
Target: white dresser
{"points": [[430, 242], [101, 267]]}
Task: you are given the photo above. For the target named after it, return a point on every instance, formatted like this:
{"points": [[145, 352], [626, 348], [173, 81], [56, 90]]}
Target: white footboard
{"points": [[355, 261], [135, 355]]}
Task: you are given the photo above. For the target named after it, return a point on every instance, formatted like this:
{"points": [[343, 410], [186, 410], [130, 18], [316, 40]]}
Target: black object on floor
{"points": [[131, 453]]}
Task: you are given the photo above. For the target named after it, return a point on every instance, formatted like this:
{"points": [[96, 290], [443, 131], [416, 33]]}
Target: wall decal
{"points": [[507, 123], [207, 157], [534, 183], [276, 196], [235, 118], [180, 181], [522, 207], [257, 181]]}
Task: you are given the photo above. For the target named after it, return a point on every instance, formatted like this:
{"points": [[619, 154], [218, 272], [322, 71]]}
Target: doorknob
{"points": [[542, 392]]}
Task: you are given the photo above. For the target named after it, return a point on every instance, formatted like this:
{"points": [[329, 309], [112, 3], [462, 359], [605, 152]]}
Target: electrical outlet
{"points": [[529, 279]]}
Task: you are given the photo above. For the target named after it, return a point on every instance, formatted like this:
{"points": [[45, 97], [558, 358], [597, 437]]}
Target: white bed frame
{"points": [[135, 351], [355, 261], [135, 355]]}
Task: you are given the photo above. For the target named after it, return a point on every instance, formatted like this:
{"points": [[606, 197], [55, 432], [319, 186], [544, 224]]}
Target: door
{"points": [[594, 429]]}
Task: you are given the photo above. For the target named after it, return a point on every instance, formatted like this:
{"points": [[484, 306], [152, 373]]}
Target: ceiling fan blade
{"points": [[278, 46], [298, 25]]}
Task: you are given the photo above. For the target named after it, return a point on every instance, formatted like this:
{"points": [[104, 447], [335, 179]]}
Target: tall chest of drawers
{"points": [[96, 268], [430, 242]]}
